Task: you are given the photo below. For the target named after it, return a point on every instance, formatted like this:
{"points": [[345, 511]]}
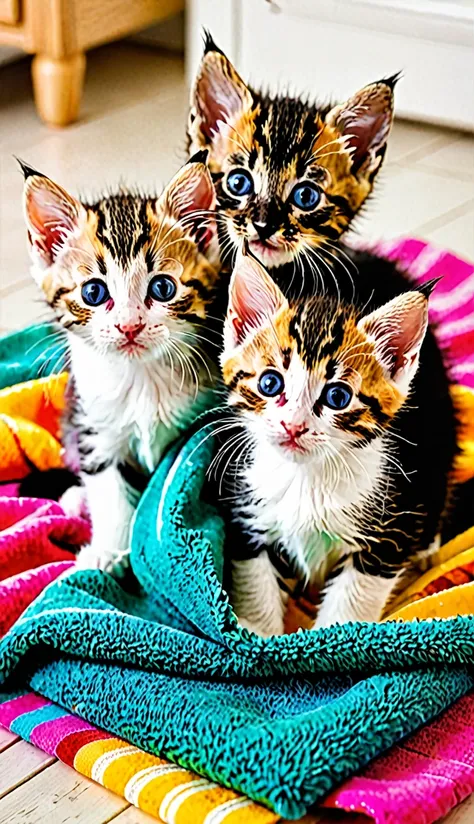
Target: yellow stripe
{"points": [[86, 757], [221, 813], [447, 604], [106, 759], [139, 780], [172, 801]]}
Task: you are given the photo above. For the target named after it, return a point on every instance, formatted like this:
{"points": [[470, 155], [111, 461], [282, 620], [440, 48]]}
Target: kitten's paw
{"points": [[115, 563], [74, 502]]}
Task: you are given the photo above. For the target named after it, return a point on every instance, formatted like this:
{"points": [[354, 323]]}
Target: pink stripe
{"points": [[465, 378], [420, 780], [12, 709], [17, 592], [49, 734], [405, 251]]}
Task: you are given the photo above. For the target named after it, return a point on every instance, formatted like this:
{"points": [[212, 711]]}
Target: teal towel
{"points": [[283, 720]]}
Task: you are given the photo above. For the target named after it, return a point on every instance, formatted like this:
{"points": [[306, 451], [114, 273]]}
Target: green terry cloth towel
{"points": [[282, 720]]}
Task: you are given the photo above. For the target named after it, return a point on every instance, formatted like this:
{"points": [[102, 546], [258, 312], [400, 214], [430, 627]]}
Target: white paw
{"points": [[115, 563], [73, 501]]}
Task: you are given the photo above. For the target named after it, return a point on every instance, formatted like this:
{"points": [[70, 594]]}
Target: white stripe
{"points": [[443, 302], [138, 781], [463, 369], [457, 327], [108, 758], [166, 486], [425, 261], [173, 800], [219, 814]]}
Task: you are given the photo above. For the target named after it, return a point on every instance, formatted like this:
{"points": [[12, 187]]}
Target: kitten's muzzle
{"points": [[263, 230], [131, 331], [292, 434]]}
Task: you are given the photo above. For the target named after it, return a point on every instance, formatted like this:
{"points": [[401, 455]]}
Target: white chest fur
{"points": [[300, 504], [135, 406]]}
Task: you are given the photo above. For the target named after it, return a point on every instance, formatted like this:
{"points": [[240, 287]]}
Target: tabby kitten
{"points": [[290, 176], [129, 283], [337, 461]]}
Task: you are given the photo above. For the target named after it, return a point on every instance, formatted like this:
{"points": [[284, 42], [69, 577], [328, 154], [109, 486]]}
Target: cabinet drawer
{"points": [[9, 11]]}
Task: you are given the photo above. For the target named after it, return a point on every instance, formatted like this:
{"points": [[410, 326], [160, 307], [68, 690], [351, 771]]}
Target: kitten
{"points": [[340, 459], [290, 176], [128, 282]]}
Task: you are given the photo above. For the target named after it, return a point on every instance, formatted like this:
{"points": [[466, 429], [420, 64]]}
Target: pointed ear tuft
{"points": [[27, 170], [427, 288], [397, 330], [364, 121], [254, 298], [209, 43], [393, 79], [200, 156], [190, 193], [219, 96], [52, 216]]}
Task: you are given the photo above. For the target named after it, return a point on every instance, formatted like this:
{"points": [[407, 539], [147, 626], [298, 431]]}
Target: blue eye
{"points": [[162, 288], [336, 396], [95, 292], [271, 383], [305, 196], [240, 182]]}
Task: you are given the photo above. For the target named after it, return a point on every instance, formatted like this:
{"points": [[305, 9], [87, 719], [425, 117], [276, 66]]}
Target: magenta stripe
{"points": [[49, 734], [406, 251], [443, 317], [12, 709], [452, 270]]}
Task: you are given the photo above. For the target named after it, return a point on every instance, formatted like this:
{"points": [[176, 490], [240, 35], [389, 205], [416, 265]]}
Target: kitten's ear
{"points": [[397, 331], [218, 97], [254, 298], [189, 194], [52, 215], [365, 121]]}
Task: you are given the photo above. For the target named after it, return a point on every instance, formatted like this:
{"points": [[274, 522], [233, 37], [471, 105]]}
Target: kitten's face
{"points": [[313, 378], [289, 176], [127, 273]]}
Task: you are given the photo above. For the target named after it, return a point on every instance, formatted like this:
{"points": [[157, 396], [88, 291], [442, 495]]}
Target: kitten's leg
{"points": [[111, 514], [354, 595], [256, 596]]}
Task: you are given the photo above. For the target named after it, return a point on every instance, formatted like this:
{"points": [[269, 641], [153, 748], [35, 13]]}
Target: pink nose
{"points": [[294, 430], [131, 331]]}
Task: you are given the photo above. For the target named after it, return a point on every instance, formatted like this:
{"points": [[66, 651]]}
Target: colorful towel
{"points": [[260, 716], [157, 786], [282, 720]]}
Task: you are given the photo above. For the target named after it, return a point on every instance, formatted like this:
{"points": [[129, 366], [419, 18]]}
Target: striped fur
{"points": [[137, 362], [282, 141], [345, 496]]}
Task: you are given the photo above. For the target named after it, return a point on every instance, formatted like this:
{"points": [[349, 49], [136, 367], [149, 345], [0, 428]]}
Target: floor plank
{"points": [[19, 763], [7, 738], [57, 796], [133, 816]]}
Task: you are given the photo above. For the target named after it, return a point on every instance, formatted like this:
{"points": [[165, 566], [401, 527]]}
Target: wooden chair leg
{"points": [[57, 84]]}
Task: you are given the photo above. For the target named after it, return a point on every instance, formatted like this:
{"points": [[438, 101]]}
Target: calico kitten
{"points": [[338, 458], [290, 175], [129, 283]]}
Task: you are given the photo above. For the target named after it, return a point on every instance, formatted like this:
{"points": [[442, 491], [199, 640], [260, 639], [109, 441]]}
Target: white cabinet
{"points": [[329, 48]]}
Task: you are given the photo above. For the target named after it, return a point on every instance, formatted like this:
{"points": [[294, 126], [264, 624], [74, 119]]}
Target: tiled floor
{"points": [[132, 127]]}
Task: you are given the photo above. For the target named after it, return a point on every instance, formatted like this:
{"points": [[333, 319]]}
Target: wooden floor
{"points": [[38, 789]]}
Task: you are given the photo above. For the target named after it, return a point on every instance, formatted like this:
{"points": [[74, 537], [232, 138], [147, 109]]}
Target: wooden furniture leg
{"points": [[57, 85]]}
